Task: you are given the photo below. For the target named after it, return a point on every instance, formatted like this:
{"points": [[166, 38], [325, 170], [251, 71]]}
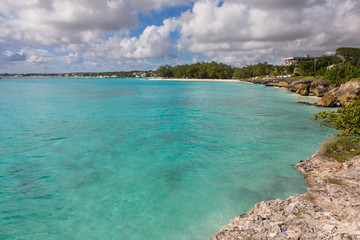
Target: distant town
{"points": [[122, 74]]}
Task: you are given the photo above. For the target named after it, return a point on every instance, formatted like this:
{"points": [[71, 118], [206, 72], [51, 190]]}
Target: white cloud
{"points": [[52, 22], [154, 42], [95, 34], [236, 31]]}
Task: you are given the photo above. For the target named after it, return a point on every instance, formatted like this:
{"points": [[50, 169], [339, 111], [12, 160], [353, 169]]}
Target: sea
{"points": [[96, 158]]}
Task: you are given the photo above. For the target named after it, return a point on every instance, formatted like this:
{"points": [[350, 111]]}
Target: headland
{"points": [[331, 95], [329, 210]]}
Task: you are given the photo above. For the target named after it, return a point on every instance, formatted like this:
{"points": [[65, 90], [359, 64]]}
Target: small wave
{"points": [[56, 139]]}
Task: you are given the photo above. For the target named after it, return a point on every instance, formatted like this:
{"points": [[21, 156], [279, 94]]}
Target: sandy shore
{"points": [[193, 80]]}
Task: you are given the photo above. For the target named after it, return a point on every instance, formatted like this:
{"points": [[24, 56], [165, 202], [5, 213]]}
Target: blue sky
{"points": [[122, 35]]}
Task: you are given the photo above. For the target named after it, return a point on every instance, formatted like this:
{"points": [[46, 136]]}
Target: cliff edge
{"points": [[329, 210]]}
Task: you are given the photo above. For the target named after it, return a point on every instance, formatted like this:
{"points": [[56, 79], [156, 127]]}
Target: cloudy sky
{"points": [[121, 35]]}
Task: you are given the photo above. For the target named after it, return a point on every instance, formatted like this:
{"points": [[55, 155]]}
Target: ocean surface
{"points": [[137, 159]]}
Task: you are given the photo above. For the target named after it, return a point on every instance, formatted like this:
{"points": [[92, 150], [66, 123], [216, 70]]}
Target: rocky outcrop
{"points": [[329, 100], [329, 210], [320, 87], [348, 92], [332, 96], [345, 94], [301, 87]]}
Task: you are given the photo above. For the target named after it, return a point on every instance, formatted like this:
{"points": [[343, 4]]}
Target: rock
{"points": [[320, 87], [282, 84], [326, 211], [306, 103], [331, 96], [303, 89], [329, 100], [300, 85], [348, 92]]}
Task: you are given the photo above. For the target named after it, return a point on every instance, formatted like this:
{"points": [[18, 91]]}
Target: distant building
{"points": [[296, 60]]}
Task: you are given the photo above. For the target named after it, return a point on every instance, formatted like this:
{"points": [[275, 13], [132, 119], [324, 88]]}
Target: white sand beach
{"points": [[193, 80]]}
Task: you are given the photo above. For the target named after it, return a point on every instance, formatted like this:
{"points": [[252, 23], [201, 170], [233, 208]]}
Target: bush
{"points": [[342, 73], [340, 148], [346, 120]]}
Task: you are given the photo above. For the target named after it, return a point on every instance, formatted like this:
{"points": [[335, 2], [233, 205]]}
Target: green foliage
{"points": [[341, 74], [321, 71], [201, 70], [310, 198], [278, 71], [350, 55], [334, 181], [318, 66], [290, 69], [340, 148], [306, 68], [346, 120], [325, 61], [165, 71], [260, 69]]}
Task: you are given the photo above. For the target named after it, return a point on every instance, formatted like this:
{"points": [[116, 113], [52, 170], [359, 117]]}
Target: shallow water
{"points": [[135, 159]]}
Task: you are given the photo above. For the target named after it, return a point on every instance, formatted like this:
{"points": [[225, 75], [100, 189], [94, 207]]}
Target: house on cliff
{"points": [[296, 60]]}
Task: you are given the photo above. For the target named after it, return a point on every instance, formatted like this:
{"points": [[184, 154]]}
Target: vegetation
{"points": [[257, 70], [340, 148], [346, 120], [349, 55], [215, 70], [334, 181], [338, 68], [342, 73], [310, 198], [201, 70]]}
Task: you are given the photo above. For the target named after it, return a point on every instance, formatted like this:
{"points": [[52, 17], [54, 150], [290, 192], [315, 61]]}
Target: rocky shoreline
{"points": [[331, 96], [329, 210]]}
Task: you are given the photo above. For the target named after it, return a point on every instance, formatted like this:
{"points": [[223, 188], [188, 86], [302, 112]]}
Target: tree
{"points": [[306, 68], [349, 55], [290, 69], [165, 71], [346, 120], [343, 73]]}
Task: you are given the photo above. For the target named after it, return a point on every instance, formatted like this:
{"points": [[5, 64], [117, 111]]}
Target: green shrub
{"points": [[341, 74], [334, 181], [340, 148], [346, 120]]}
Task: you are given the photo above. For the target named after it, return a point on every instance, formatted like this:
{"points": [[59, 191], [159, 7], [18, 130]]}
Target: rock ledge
{"points": [[329, 210]]}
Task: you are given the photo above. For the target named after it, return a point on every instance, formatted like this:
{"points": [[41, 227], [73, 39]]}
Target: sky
{"points": [[57, 36]]}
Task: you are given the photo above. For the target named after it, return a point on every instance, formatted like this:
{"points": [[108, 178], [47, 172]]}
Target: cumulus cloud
{"points": [[154, 42], [245, 29], [52, 22], [98, 34]]}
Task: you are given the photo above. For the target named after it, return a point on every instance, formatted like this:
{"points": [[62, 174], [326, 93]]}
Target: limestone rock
{"points": [[302, 89], [320, 87], [329, 100], [300, 86], [326, 211], [282, 84], [348, 92]]}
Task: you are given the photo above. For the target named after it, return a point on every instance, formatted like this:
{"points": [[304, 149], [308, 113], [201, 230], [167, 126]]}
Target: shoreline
{"points": [[330, 209], [193, 80]]}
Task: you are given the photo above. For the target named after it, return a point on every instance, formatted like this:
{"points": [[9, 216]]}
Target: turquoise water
{"points": [[136, 159]]}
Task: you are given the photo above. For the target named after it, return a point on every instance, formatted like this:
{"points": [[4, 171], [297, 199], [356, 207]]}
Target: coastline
{"points": [[330, 209], [193, 80]]}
